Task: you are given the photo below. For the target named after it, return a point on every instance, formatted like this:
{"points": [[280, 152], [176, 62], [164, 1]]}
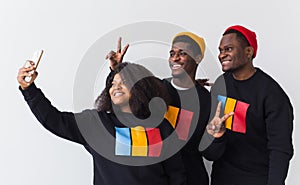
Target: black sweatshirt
{"points": [[257, 145], [195, 100], [97, 132]]}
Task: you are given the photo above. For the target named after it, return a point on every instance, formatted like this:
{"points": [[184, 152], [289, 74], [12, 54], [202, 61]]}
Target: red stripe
{"points": [[184, 124], [154, 142], [239, 120]]}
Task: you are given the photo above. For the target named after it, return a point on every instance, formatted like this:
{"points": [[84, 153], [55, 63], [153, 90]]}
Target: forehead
{"points": [[229, 39], [181, 46], [117, 77]]}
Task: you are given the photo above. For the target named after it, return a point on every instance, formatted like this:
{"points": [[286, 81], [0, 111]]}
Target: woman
{"points": [[128, 138]]}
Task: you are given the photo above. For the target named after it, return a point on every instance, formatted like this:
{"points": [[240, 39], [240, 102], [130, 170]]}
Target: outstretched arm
{"points": [[62, 124]]}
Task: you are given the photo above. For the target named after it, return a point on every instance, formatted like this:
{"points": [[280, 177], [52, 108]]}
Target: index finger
{"points": [[226, 116], [218, 110], [119, 45], [125, 49]]}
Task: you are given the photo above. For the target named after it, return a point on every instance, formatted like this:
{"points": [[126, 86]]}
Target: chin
{"points": [[225, 69], [178, 73]]}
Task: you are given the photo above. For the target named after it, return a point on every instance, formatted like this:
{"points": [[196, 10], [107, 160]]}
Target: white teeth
{"points": [[118, 94], [176, 66], [225, 61]]}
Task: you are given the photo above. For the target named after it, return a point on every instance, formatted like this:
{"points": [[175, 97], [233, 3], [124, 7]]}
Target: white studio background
{"points": [[29, 154]]}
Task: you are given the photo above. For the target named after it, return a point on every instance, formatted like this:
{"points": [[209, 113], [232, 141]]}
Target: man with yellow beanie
{"points": [[190, 102]]}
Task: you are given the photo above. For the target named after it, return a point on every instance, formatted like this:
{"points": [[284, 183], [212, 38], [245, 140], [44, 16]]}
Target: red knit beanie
{"points": [[248, 34]]}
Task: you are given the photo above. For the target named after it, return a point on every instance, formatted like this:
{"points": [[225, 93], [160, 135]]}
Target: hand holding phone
{"points": [[36, 57]]}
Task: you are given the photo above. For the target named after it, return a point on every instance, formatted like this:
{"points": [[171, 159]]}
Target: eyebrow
{"points": [[119, 81], [227, 46], [178, 50]]}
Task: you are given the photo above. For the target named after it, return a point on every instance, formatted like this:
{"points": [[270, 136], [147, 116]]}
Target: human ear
{"points": [[198, 59], [249, 51]]}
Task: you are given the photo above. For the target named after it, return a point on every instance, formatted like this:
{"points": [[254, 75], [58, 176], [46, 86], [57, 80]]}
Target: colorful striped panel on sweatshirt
{"points": [[181, 120], [237, 122], [138, 141]]}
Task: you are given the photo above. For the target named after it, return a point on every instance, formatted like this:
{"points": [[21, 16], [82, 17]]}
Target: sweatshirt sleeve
{"points": [[212, 148], [279, 124], [62, 124]]}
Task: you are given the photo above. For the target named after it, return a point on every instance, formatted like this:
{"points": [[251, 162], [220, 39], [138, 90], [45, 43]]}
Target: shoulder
{"points": [[203, 93], [220, 84], [271, 86], [202, 89], [268, 82], [91, 115], [221, 79], [167, 81]]}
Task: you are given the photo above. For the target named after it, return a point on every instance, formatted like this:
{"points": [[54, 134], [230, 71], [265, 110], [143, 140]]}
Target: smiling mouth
{"points": [[117, 94], [224, 62], [176, 66]]}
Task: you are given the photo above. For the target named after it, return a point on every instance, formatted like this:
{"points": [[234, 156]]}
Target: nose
{"points": [[174, 57], [222, 55], [116, 86]]}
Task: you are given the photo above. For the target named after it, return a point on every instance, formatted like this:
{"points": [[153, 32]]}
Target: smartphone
{"points": [[36, 57]]}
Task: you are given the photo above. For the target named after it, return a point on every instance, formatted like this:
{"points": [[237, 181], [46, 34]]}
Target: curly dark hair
{"points": [[143, 85]]}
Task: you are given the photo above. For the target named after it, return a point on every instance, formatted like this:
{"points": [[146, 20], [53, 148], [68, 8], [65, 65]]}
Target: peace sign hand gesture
{"points": [[116, 57], [216, 126]]}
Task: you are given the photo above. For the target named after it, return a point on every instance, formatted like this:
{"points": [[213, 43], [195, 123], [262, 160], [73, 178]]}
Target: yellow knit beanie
{"points": [[199, 40]]}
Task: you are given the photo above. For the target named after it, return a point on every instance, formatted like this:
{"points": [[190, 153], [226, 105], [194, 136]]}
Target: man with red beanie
{"points": [[254, 146]]}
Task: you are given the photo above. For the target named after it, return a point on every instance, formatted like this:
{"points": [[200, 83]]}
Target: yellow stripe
{"points": [[229, 107], [139, 141], [171, 115]]}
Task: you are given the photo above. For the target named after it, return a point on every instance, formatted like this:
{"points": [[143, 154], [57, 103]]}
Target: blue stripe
{"points": [[223, 100], [123, 141]]}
